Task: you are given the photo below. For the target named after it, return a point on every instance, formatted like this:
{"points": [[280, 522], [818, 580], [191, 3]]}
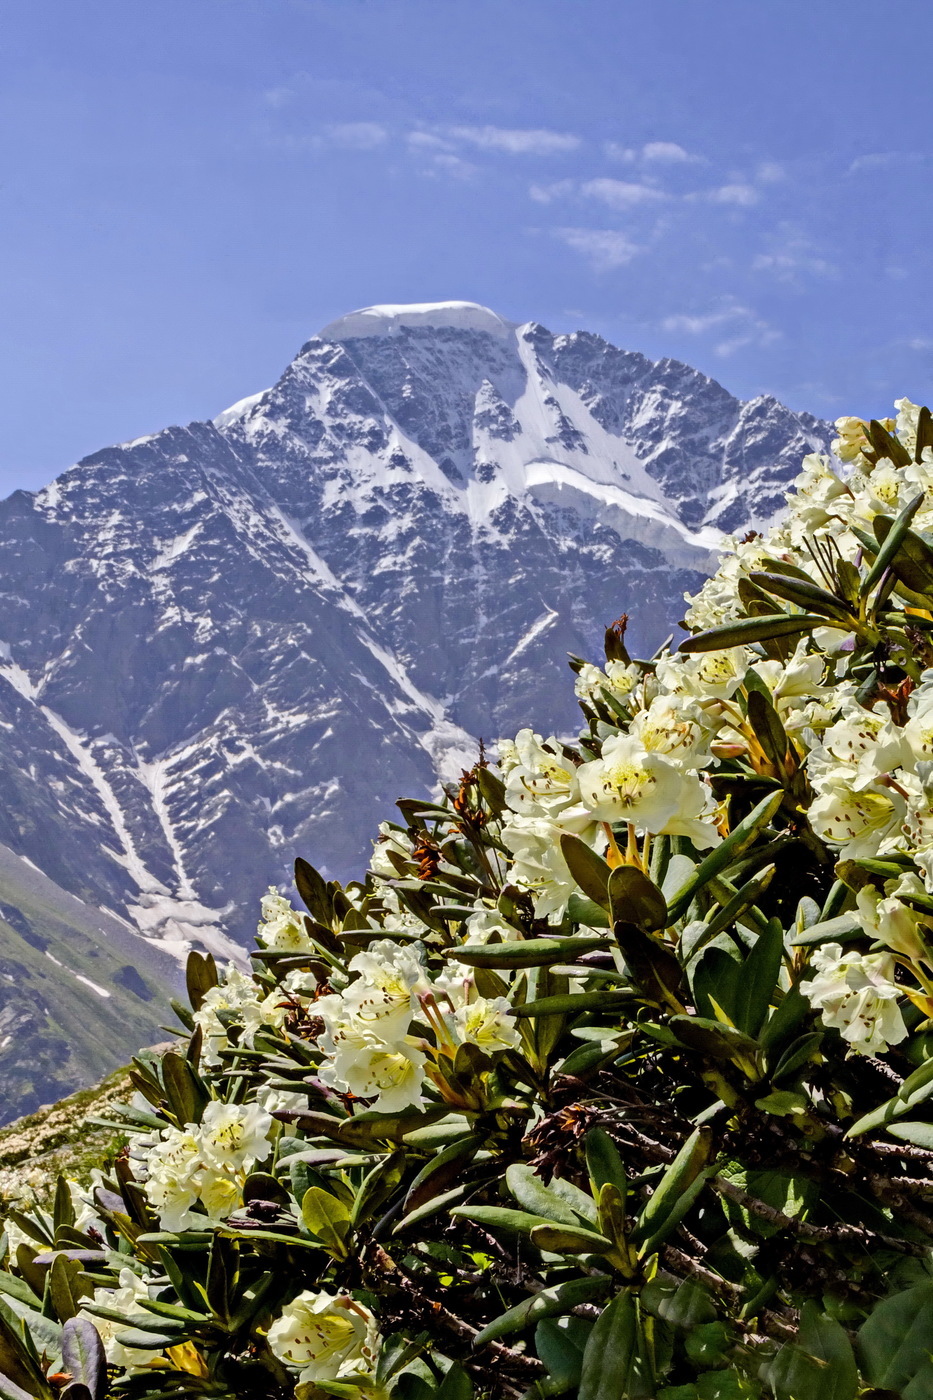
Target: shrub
{"points": [[614, 1076]]}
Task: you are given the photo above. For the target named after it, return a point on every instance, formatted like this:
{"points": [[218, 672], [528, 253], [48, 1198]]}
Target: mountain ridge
{"points": [[229, 643]]}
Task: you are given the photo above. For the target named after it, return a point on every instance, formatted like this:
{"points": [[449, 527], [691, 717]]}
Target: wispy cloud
{"points": [[877, 160], [604, 248], [668, 151], [739, 194], [357, 136], [657, 152], [792, 254], [746, 326], [556, 189], [515, 141], [621, 194]]}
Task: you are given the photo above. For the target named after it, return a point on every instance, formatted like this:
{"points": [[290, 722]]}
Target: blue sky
{"points": [[191, 188]]}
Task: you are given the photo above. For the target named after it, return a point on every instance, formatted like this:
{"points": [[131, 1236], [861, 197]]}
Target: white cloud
{"points": [[770, 173], [621, 194], [615, 151], [427, 141], [665, 151], [740, 194], [786, 265], [514, 141], [747, 326], [557, 189], [876, 160], [604, 248], [452, 165], [791, 254], [357, 136]]}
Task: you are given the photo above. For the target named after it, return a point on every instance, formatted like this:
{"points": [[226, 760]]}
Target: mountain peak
{"points": [[428, 315]]}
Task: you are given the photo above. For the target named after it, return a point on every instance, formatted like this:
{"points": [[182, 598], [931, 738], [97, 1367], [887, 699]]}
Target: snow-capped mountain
{"points": [[238, 641]]}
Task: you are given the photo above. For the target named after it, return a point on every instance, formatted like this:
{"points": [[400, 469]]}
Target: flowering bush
{"points": [[613, 1078]]}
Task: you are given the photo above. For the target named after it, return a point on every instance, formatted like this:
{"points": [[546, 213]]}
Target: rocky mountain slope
{"points": [[237, 641]]}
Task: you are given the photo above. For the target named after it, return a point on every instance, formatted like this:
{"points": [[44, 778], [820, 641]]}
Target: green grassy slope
{"points": [[79, 992]]}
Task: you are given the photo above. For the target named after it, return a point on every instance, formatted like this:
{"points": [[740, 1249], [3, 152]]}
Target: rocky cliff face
{"points": [[234, 642]]}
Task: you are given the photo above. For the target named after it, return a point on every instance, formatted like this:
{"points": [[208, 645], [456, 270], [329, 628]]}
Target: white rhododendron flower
{"points": [[487, 1023], [250, 1008], [233, 1137], [389, 1074], [328, 1337], [391, 840], [630, 783], [172, 1186], [855, 993], [384, 994], [891, 922], [540, 781], [124, 1299], [283, 928], [538, 863]]}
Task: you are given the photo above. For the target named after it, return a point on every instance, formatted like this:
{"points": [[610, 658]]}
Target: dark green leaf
{"points": [[752, 629], [589, 870], [896, 1343], [721, 856], [548, 1302], [532, 952], [634, 899], [617, 1359]]}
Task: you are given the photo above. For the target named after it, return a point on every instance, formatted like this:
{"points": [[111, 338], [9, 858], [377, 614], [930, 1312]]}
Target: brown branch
{"points": [[529, 1365], [832, 1234]]}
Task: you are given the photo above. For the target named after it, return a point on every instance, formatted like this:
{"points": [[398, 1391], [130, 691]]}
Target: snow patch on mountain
{"points": [[429, 315]]}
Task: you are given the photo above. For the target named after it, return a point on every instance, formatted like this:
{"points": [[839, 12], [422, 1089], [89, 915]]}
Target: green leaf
{"points": [[653, 967], [84, 1356], [686, 1304], [918, 1134], [68, 1285], [223, 1275], [721, 856], [531, 1193], [532, 952], [560, 1344], [548, 1302], [603, 1162], [513, 1222], [440, 1171], [801, 592], [896, 1343], [185, 1091], [328, 1219], [758, 980], [768, 729], [634, 899], [17, 1360], [589, 870], [617, 1359], [573, 1004], [752, 629], [679, 1176], [820, 1365], [713, 1037], [569, 1239], [200, 977], [891, 546], [456, 1384], [314, 894]]}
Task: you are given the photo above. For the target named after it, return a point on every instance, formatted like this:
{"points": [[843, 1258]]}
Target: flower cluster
{"points": [[202, 1168]]}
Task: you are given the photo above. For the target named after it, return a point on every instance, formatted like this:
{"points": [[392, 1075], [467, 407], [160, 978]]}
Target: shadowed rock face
{"points": [[235, 642]]}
